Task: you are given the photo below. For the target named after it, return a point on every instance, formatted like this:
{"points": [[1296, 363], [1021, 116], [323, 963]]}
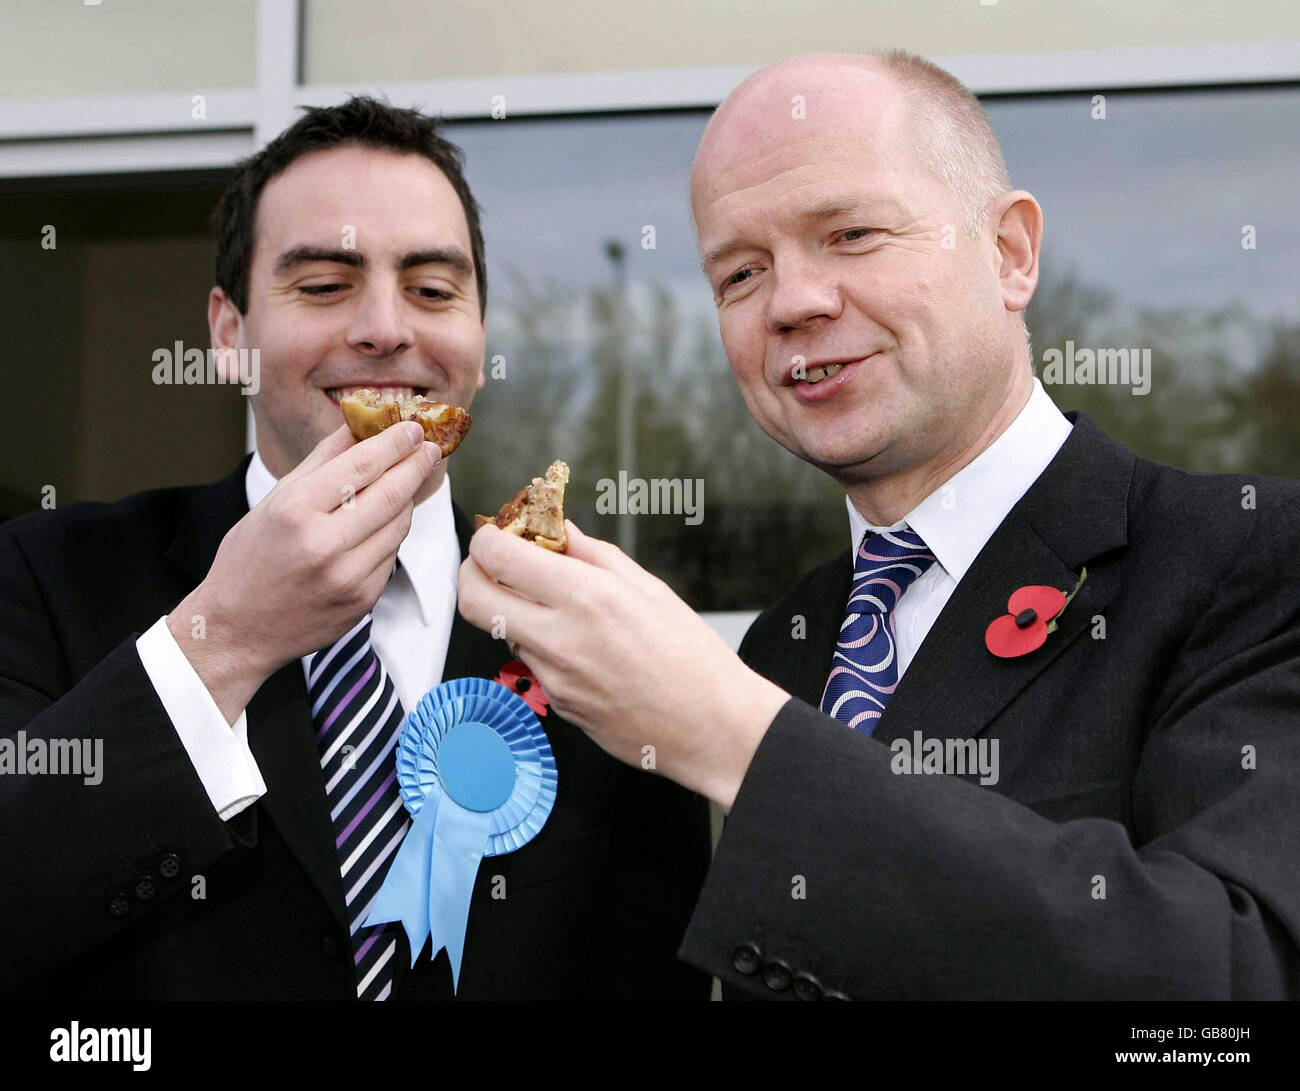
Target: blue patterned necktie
{"points": [[864, 670], [358, 720]]}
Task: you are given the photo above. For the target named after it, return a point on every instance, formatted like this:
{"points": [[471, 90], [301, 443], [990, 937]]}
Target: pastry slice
{"points": [[536, 512], [368, 412]]}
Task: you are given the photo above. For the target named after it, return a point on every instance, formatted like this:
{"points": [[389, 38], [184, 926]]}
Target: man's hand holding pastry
{"points": [[622, 656], [306, 563]]}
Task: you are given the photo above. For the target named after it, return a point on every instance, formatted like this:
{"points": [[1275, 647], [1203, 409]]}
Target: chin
{"points": [[826, 451], [845, 466]]}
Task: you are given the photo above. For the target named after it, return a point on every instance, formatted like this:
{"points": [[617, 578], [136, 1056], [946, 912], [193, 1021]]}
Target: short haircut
{"points": [[361, 121], [952, 138]]}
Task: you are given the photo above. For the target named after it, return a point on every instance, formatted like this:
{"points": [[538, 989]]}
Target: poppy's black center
{"points": [[523, 685], [1026, 618]]}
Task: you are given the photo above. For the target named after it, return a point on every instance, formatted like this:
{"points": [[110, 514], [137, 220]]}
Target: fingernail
{"points": [[415, 432]]}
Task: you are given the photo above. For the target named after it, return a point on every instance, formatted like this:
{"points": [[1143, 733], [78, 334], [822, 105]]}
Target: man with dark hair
{"points": [[245, 813], [363, 122]]}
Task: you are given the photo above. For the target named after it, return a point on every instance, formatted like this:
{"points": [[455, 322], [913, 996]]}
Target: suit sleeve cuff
{"points": [[746, 914], [219, 751]]}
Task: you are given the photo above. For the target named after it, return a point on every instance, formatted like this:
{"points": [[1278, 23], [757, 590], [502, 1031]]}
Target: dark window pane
{"points": [[128, 274]]}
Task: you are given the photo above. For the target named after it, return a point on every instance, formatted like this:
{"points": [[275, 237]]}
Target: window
{"points": [[605, 337], [1145, 213]]}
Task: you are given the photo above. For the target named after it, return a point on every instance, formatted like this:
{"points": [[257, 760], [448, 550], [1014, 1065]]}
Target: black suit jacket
{"points": [[1143, 840], [135, 888]]}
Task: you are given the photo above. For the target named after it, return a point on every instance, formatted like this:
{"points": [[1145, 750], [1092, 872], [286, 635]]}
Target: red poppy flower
{"points": [[1024, 628], [517, 678]]}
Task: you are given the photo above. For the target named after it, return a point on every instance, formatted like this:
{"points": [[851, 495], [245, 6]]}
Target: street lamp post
{"points": [[626, 392]]}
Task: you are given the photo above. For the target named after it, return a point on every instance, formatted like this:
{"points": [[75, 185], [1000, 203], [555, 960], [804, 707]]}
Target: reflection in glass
{"points": [[603, 345]]}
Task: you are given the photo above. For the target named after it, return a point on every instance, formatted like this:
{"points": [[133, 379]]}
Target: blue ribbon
{"points": [[477, 774]]}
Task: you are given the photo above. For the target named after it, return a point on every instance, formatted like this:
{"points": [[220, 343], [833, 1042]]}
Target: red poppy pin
{"points": [[1031, 614], [517, 678]]}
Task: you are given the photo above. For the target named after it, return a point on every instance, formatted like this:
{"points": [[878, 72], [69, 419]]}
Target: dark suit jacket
{"points": [[1159, 756], [98, 884]]}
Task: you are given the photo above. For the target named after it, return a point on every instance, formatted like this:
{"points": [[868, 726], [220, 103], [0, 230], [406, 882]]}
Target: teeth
{"points": [[387, 393], [817, 374]]}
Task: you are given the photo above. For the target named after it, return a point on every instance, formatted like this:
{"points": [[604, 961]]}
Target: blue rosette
{"points": [[478, 778]]}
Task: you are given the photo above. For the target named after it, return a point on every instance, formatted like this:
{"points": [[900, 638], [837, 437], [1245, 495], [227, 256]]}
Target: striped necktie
{"points": [[358, 720], [864, 669]]}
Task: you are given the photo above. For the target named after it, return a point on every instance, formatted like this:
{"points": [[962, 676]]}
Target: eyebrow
{"points": [[722, 250], [453, 257], [839, 206], [823, 211]]}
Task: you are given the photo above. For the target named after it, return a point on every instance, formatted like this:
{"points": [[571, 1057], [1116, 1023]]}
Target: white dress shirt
{"points": [[410, 632], [958, 518]]}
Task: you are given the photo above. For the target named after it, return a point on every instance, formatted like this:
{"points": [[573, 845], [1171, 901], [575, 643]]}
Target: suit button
{"points": [[832, 994], [330, 945], [144, 888], [746, 958], [807, 987], [776, 975], [169, 866], [119, 906]]}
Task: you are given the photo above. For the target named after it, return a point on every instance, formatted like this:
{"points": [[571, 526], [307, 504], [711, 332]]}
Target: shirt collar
{"points": [[432, 525], [958, 518]]}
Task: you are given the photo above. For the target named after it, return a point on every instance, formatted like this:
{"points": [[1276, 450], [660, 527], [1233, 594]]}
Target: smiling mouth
{"points": [[386, 393]]}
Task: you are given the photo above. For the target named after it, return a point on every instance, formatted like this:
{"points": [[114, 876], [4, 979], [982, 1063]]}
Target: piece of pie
{"points": [[536, 512], [368, 412]]}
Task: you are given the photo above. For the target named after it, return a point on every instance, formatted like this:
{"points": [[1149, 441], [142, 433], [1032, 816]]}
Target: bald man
{"points": [[1036, 734]]}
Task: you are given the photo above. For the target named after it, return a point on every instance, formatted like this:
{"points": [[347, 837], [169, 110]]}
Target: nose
{"points": [[380, 326], [803, 291]]}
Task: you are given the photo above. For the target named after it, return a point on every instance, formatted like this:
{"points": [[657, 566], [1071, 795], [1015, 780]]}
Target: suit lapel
{"points": [[1075, 511], [282, 739], [279, 719], [210, 512]]}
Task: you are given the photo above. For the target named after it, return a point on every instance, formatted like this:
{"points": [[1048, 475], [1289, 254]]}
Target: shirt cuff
{"points": [[218, 750]]}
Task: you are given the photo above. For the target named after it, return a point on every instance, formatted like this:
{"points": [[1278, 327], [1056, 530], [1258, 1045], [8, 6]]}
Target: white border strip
{"points": [[731, 625], [983, 73], [1122, 67], [114, 115], [124, 154], [277, 68], [569, 93]]}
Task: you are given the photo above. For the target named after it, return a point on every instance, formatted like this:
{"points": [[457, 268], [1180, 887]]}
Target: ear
{"points": [[1017, 222], [226, 333]]}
